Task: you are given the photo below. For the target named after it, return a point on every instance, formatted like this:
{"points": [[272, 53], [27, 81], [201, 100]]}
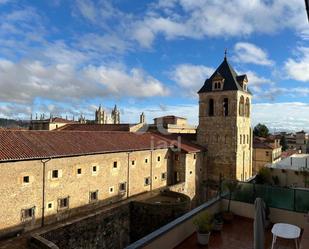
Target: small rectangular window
{"points": [[133, 162], [194, 156], [50, 205], [146, 160], [26, 179], [93, 196], [28, 213], [163, 176], [94, 169], [55, 174], [158, 158], [115, 165], [267, 153], [122, 187], [111, 190], [147, 181], [63, 203], [79, 171]]}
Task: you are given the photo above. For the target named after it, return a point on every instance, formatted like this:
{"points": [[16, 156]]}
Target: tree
{"points": [[283, 143], [261, 130]]}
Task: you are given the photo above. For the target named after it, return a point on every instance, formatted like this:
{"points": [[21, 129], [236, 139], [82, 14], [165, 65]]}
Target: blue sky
{"points": [[66, 57]]}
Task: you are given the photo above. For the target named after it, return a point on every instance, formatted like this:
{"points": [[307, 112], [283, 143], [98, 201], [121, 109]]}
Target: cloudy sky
{"points": [[66, 57]]}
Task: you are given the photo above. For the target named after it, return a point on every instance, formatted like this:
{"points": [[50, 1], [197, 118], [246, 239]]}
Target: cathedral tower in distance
{"points": [[225, 124]]}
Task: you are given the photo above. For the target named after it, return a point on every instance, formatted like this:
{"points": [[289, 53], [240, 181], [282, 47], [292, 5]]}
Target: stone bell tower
{"points": [[225, 124]]}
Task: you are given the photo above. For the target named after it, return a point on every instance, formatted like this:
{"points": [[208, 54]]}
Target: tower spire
{"points": [[225, 53]]}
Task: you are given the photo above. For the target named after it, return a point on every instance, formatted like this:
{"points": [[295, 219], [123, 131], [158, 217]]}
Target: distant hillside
{"points": [[12, 123]]}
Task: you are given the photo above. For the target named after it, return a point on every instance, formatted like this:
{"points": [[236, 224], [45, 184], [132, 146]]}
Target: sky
{"points": [[67, 57]]}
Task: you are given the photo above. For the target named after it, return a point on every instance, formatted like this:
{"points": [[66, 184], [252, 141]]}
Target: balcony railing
{"points": [[296, 200]]}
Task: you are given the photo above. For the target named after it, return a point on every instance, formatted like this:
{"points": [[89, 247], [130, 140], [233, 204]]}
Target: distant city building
{"points": [[265, 151], [49, 124], [172, 124], [102, 117], [302, 142]]}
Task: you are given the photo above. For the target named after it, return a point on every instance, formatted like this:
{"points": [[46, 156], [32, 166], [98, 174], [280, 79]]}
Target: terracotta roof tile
{"points": [[19, 145], [95, 127]]}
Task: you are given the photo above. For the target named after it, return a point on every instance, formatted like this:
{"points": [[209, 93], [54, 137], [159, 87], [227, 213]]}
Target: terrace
{"points": [[286, 206]]}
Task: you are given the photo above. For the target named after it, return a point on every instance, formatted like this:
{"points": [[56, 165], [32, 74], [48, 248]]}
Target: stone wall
{"points": [[108, 230], [147, 217]]}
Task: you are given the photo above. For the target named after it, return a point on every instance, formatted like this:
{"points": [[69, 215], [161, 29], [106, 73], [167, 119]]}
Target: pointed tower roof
{"points": [[231, 79]]}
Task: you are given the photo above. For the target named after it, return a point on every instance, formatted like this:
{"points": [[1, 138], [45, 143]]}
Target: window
{"points": [[94, 169], [79, 171], [176, 176], [244, 139], [240, 139], [115, 165], [133, 163], [241, 106], [26, 179], [267, 153], [163, 176], [50, 205], [55, 174], [211, 107], [93, 196], [158, 158], [247, 108], [147, 181], [146, 160], [111, 190], [122, 187], [225, 107], [27, 214], [63, 203], [194, 156]]}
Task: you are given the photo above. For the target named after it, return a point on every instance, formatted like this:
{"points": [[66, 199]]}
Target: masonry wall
{"points": [[106, 180], [221, 134]]}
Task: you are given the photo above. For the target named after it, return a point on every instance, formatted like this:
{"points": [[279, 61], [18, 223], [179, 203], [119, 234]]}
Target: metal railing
{"points": [[291, 199]]}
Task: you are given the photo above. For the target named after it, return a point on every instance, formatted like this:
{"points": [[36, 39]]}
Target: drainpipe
{"points": [[128, 175], [43, 189], [151, 170]]}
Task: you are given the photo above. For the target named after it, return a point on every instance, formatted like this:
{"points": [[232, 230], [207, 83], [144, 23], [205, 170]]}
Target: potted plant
{"points": [[231, 186], [204, 225], [218, 222]]}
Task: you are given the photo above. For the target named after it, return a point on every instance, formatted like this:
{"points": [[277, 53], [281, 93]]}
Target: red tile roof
{"points": [[182, 141], [21, 145], [95, 127], [265, 143]]}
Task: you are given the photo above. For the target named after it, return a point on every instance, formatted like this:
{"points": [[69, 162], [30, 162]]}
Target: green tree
{"points": [[261, 130], [283, 143]]}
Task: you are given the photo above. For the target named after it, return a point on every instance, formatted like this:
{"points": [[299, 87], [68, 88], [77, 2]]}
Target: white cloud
{"points": [[298, 68], [191, 77], [249, 53], [87, 9], [24, 81], [197, 19], [282, 116]]}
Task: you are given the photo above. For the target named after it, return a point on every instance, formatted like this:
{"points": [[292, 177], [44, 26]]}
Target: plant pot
{"points": [[203, 238], [228, 217], [218, 225]]}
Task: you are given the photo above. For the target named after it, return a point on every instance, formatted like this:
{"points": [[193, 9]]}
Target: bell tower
{"points": [[225, 124]]}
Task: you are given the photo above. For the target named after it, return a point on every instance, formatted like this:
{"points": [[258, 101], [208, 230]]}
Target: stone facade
{"points": [[78, 177], [225, 129]]}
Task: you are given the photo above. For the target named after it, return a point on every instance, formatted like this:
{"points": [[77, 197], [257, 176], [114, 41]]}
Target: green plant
{"points": [[263, 176], [231, 186], [261, 130], [203, 222], [276, 180]]}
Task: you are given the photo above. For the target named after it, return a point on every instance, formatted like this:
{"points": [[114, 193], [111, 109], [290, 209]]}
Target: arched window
{"points": [[225, 107], [240, 139], [247, 108], [219, 85], [241, 106], [211, 107], [244, 139]]}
